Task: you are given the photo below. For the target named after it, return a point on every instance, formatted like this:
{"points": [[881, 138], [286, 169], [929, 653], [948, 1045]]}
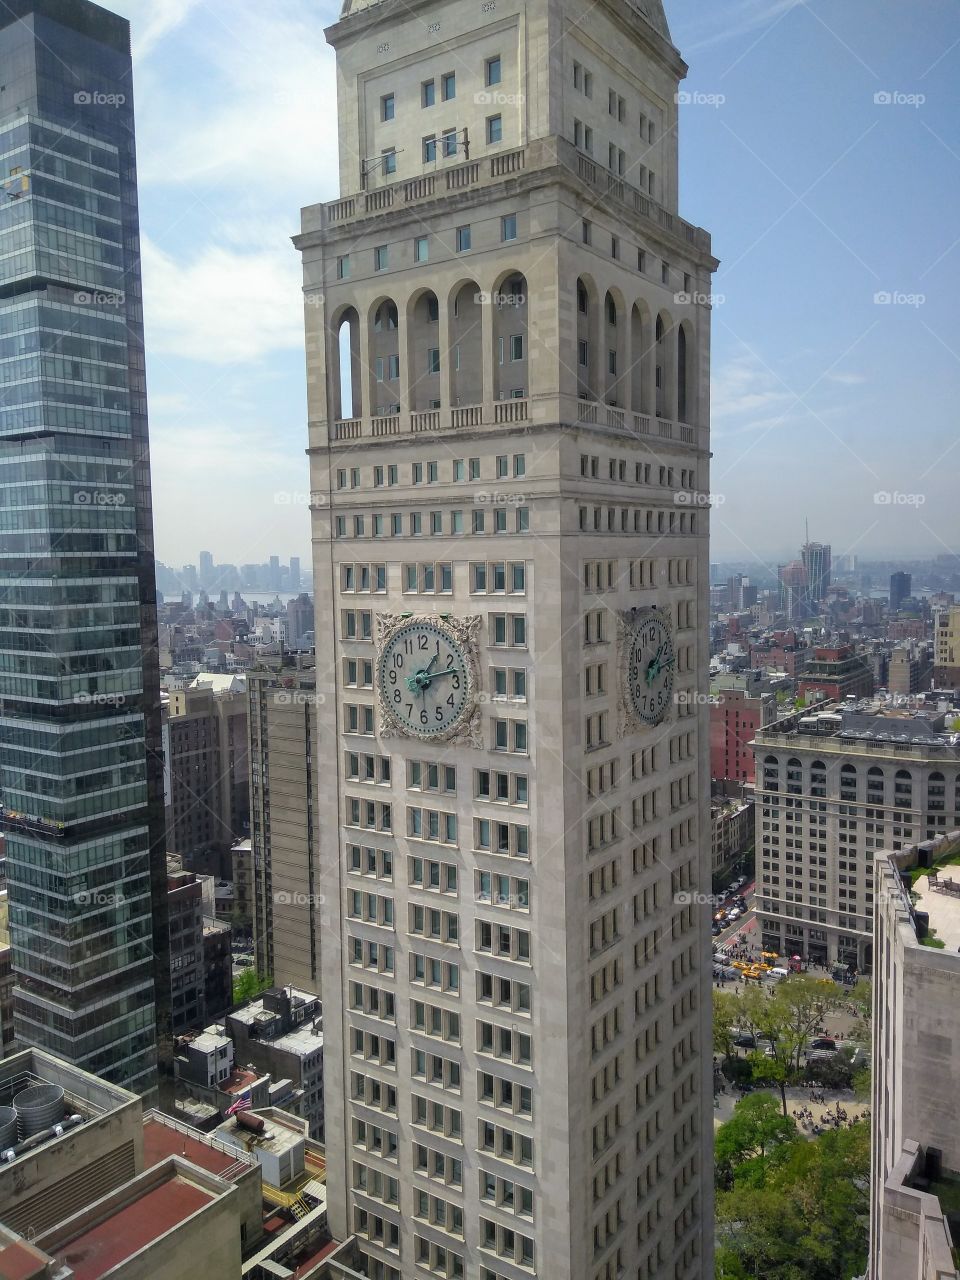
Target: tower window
{"points": [[388, 106], [586, 231], [493, 70], [463, 239], [389, 160], [421, 249], [381, 257], [449, 140], [494, 128], [508, 227], [429, 149], [448, 85], [428, 93]]}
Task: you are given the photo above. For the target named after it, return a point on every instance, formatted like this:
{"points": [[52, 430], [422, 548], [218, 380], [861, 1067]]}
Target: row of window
{"points": [[498, 519], [464, 238], [461, 469]]}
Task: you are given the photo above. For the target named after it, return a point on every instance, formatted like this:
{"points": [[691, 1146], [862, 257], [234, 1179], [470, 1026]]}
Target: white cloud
{"points": [[847, 379], [262, 114], [718, 24], [223, 305]]}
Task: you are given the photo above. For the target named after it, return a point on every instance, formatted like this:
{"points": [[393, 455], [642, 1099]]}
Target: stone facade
{"points": [[516, 987]]}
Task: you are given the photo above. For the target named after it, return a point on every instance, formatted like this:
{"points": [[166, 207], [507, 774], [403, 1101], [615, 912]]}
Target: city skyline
{"points": [[803, 252]]}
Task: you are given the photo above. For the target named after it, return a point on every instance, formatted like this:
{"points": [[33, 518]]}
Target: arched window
{"points": [[384, 348], [466, 345], [588, 340], [423, 348], [682, 374], [510, 338], [345, 373]]}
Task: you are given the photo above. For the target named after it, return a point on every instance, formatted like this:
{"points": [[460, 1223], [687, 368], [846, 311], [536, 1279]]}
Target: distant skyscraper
{"points": [[794, 590], [815, 557], [294, 573], [206, 569], [273, 577], [80, 767], [901, 584]]}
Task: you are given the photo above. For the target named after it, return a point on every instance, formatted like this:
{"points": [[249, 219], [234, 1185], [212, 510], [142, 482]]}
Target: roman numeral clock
{"points": [[428, 677]]}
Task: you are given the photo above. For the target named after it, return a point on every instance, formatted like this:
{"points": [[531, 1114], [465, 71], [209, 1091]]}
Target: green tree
{"points": [[755, 1128], [806, 1218], [249, 984], [726, 1005]]}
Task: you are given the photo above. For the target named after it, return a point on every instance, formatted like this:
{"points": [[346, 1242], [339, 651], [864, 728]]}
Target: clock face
{"points": [[650, 668], [423, 679]]}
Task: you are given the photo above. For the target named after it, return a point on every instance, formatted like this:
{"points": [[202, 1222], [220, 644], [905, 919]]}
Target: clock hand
{"points": [[438, 675]]}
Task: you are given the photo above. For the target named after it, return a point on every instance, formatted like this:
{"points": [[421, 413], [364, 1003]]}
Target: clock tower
{"points": [[508, 328]]}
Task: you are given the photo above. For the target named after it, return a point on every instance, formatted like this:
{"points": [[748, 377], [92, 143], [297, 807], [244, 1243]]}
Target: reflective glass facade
{"points": [[80, 770]]}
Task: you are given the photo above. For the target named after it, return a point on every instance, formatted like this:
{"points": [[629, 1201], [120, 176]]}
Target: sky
{"points": [[819, 143]]}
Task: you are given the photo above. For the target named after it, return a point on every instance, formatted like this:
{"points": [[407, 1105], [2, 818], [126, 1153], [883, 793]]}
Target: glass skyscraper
{"points": [[80, 768]]}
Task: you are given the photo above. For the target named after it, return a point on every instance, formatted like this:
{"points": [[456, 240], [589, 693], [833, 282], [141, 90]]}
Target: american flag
{"points": [[241, 1104]]}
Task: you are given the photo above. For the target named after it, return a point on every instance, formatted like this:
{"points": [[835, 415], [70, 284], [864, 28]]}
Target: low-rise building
{"points": [[946, 647], [836, 673], [92, 1187], [733, 831], [282, 1034], [833, 788], [735, 718], [915, 1167], [206, 776]]}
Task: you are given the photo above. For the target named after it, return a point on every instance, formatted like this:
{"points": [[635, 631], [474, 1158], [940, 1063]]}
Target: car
{"points": [[733, 915], [745, 1041], [823, 1042]]}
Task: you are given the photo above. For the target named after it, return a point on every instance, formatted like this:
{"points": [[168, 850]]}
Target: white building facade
{"points": [[508, 369]]}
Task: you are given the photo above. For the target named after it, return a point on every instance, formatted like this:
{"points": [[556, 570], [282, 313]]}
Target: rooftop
{"points": [[163, 1137]]}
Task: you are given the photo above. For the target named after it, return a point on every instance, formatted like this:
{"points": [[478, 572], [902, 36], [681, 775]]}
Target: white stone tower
{"points": [[508, 365]]}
